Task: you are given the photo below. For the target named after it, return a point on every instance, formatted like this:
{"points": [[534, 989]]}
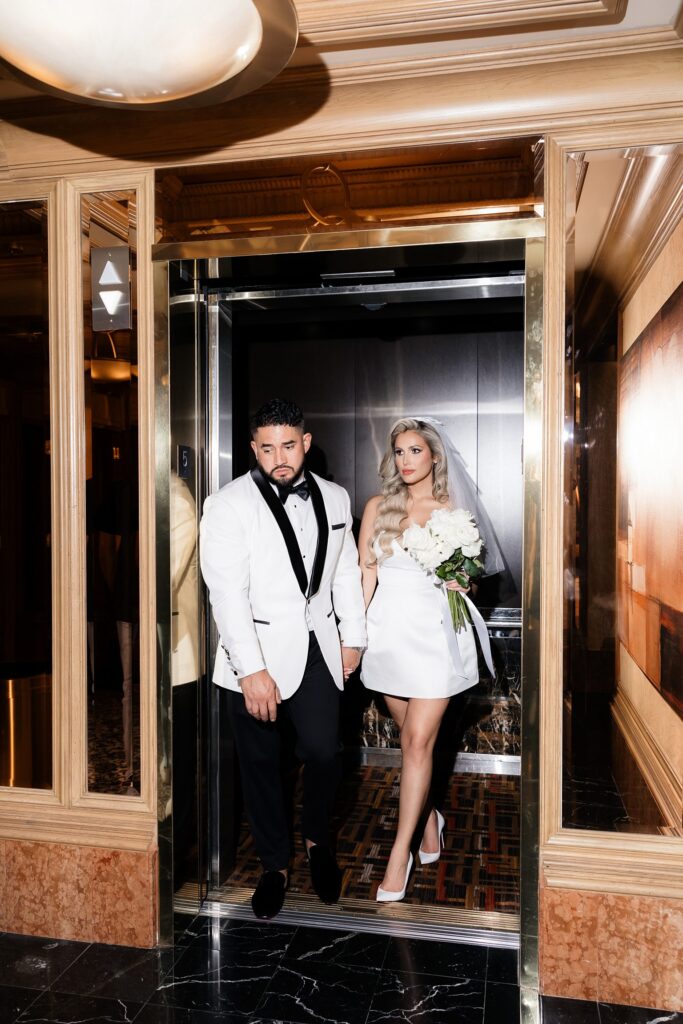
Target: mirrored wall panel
{"points": [[112, 499], [25, 501], [623, 611]]}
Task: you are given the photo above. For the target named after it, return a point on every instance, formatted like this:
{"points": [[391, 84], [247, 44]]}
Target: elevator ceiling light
{"points": [[145, 54]]}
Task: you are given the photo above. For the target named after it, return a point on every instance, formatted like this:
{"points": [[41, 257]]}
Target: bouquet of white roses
{"points": [[450, 546]]}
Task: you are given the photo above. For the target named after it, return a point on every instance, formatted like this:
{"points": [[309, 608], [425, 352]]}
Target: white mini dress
{"points": [[408, 652]]}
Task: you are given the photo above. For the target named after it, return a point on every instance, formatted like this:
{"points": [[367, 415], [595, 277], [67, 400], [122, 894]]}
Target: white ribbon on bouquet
{"points": [[452, 636]]}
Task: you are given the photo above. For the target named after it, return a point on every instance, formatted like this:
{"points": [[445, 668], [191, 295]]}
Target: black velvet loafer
{"points": [[269, 894], [326, 874]]}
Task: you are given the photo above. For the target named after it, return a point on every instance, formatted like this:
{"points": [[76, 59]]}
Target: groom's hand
{"points": [[261, 695]]}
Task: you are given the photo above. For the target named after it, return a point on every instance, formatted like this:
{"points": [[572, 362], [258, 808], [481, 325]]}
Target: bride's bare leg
{"points": [[430, 836], [419, 730], [398, 709]]}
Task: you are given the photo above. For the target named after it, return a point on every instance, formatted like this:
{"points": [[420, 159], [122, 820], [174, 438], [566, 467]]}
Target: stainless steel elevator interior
{"points": [[357, 338]]}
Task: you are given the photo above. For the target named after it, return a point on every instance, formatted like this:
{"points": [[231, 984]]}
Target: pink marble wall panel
{"points": [[610, 947], [567, 949], [3, 905], [79, 892], [122, 911], [44, 890], [641, 958], [671, 954]]}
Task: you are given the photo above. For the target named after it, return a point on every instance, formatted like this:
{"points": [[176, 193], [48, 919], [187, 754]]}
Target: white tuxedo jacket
{"points": [[258, 585]]}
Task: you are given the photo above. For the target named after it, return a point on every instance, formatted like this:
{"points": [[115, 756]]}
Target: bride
{"points": [[414, 656]]}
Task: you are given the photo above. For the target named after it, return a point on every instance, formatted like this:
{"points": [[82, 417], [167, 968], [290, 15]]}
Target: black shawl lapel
{"points": [[323, 531], [282, 519]]}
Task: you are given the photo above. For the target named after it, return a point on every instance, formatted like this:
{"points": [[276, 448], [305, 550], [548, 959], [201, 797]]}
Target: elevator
{"points": [[357, 334]]}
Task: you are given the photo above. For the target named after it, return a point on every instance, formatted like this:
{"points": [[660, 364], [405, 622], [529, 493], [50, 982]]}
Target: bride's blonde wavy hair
{"points": [[391, 510]]}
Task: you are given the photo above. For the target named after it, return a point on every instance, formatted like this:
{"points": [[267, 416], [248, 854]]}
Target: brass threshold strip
{"points": [[443, 924]]}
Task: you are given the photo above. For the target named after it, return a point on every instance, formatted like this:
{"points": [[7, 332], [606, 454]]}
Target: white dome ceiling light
{"points": [[138, 53]]}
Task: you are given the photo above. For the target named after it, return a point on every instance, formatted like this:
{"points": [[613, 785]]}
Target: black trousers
{"points": [[314, 714]]}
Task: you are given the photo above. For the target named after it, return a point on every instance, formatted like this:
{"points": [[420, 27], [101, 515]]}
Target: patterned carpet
{"points": [[108, 771], [479, 869]]}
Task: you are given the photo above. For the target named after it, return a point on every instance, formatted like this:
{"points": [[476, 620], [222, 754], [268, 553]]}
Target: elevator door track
{"points": [[405, 920]]}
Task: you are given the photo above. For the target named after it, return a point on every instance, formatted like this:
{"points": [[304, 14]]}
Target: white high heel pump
{"points": [[387, 896], [430, 858]]}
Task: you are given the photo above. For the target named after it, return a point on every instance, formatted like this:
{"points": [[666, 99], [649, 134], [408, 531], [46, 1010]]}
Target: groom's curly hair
{"points": [[278, 412]]}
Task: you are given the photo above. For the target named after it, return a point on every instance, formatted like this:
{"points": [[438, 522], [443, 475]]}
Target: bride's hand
{"points": [[350, 660], [454, 585]]}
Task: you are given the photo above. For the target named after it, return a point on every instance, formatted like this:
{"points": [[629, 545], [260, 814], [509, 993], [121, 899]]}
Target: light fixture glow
{"points": [[111, 368], [140, 54]]}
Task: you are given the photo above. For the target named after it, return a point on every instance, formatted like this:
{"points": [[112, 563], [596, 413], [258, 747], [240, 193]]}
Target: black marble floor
{"points": [[224, 972]]}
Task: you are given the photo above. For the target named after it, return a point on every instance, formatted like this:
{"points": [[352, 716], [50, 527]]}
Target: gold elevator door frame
{"points": [[474, 926]]}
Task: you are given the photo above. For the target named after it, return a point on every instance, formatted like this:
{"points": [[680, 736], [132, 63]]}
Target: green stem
{"points": [[460, 613]]}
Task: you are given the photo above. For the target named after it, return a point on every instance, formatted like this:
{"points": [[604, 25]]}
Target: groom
{"points": [[282, 569]]}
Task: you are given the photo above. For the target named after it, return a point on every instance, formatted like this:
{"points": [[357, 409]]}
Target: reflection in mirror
{"points": [[25, 506], [111, 473], [623, 505]]}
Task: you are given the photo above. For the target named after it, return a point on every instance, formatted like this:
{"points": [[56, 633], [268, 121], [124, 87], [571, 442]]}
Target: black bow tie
{"points": [[301, 490]]}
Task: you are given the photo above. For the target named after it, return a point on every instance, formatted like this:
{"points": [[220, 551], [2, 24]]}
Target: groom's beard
{"points": [[285, 478]]}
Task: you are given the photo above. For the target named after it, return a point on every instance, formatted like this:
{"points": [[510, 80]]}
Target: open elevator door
{"points": [[248, 308]]}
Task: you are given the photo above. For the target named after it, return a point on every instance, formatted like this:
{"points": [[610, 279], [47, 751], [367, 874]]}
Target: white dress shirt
{"points": [[301, 515]]}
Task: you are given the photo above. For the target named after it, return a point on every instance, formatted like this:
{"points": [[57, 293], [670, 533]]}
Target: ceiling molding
{"points": [[340, 22], [511, 55]]}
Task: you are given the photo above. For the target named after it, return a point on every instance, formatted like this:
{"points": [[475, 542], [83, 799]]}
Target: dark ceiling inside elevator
{"points": [[389, 292]]}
